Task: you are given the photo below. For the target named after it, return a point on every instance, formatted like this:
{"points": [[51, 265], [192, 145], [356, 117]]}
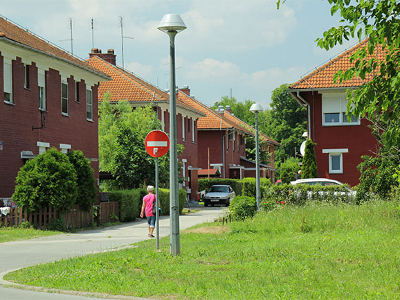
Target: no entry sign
{"points": [[157, 143]]}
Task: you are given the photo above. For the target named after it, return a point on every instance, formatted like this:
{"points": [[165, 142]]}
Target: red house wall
{"points": [[17, 121], [357, 139], [212, 140]]}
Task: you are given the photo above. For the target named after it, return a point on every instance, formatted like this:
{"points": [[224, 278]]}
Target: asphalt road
{"points": [[15, 255]]}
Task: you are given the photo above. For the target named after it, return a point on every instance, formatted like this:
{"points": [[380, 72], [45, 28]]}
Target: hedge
{"points": [[130, 202], [249, 186], [300, 194], [236, 184]]}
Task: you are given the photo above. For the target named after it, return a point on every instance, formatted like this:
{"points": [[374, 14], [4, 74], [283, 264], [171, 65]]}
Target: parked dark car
{"points": [[219, 194]]}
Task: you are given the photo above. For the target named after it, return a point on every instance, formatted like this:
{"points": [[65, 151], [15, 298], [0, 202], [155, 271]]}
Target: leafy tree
{"points": [[309, 168], [286, 123], [376, 176], [289, 169], [85, 180], [251, 149], [122, 152], [48, 180], [239, 109]]}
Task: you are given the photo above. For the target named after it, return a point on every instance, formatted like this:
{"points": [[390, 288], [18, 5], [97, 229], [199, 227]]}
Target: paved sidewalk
{"points": [[15, 255]]}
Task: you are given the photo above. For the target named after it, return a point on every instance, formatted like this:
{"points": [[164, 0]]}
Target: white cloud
{"points": [[143, 71]]}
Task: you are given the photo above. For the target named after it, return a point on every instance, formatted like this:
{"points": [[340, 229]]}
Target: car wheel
{"points": [[227, 203]]}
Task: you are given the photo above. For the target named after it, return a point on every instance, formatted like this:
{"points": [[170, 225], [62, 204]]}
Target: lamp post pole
{"points": [[258, 196], [172, 24], [256, 108]]}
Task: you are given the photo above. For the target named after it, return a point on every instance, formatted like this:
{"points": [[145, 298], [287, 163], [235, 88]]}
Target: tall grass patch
{"points": [[316, 251]]}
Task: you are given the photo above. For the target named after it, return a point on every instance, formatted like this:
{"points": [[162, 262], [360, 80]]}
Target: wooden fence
{"points": [[75, 218], [108, 211]]}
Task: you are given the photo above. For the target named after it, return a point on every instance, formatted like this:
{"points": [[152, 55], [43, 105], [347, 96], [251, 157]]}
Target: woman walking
{"points": [[147, 209]]}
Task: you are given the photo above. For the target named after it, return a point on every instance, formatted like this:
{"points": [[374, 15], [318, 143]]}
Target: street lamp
{"points": [[171, 25], [256, 108]]}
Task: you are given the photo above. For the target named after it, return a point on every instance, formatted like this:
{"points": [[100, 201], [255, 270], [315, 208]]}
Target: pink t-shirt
{"points": [[148, 200]]}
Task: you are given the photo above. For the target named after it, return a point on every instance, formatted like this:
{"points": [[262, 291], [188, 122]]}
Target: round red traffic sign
{"points": [[157, 143]]}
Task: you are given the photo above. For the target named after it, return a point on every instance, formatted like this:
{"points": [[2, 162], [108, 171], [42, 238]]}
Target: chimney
{"points": [[185, 89], [109, 57], [221, 109], [228, 109]]}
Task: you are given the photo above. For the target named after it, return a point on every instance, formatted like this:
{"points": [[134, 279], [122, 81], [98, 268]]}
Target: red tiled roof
{"points": [[213, 120], [322, 77], [205, 172], [14, 33], [127, 86]]}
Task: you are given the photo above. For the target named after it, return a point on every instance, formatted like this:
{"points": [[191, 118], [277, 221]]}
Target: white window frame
{"points": [[64, 81], [27, 81], [334, 153], [89, 104], [7, 79], [65, 147], [162, 120], [184, 161], [43, 147], [42, 89], [77, 87], [336, 103], [183, 129], [193, 132]]}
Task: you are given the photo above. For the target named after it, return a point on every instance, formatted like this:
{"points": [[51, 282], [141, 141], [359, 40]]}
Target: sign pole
{"points": [[157, 145], [157, 211]]}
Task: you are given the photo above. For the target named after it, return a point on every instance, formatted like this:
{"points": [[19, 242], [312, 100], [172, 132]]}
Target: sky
{"points": [[243, 49]]}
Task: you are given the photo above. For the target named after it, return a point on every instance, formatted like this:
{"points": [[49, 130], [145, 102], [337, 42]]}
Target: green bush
{"points": [[236, 184], [85, 180], [243, 207], [249, 186], [289, 170], [309, 168], [377, 176], [48, 180], [130, 202], [57, 225]]}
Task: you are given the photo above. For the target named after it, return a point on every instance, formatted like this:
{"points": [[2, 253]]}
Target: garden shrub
{"points": [[57, 225], [249, 186], [309, 168], [243, 207], [288, 170], [85, 180], [130, 202], [48, 180], [236, 184], [377, 177]]}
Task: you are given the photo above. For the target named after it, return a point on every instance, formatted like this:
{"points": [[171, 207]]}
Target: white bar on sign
{"points": [[157, 144]]}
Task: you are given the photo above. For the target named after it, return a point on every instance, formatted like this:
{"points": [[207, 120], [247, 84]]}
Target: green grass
{"points": [[9, 234], [312, 252]]}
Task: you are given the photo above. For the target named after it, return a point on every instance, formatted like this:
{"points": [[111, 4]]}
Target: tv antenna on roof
{"points": [[92, 25], [72, 41], [122, 39]]}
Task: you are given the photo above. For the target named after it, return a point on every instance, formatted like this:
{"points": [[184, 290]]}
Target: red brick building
{"points": [[49, 100], [127, 86], [340, 143]]}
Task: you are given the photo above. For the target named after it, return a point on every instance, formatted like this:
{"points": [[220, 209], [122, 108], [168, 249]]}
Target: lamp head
{"points": [[256, 108], [171, 22]]}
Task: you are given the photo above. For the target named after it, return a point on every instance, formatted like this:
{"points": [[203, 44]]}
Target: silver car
{"points": [[219, 194]]}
